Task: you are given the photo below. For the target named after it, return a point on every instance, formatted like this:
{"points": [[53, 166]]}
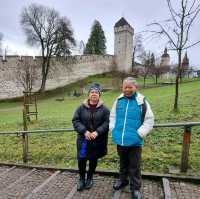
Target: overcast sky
{"points": [[82, 13]]}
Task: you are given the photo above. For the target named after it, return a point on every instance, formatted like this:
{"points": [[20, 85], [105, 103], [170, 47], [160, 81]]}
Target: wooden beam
{"points": [[166, 188], [37, 189], [71, 193], [7, 171], [186, 149], [117, 194], [115, 173]]}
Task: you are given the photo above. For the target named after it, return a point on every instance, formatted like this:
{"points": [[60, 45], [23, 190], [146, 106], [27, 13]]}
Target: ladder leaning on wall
{"points": [[30, 105]]}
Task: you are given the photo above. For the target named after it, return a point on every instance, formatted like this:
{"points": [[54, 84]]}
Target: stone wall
{"points": [[62, 72], [71, 69]]}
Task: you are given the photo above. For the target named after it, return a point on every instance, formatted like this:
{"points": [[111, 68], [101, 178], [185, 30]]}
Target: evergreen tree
{"points": [[97, 42], [152, 60]]}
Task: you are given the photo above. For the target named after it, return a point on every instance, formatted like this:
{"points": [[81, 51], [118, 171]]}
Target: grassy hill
{"points": [[162, 147]]}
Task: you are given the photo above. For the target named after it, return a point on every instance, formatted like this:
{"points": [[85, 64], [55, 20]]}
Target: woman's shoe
{"points": [[137, 195], [119, 184], [89, 183], [81, 184]]}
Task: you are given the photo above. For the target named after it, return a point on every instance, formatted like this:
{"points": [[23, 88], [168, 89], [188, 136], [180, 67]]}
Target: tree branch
{"points": [[195, 43], [173, 13], [163, 31]]}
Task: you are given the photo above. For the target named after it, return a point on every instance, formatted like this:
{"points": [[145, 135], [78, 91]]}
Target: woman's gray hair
{"points": [[130, 79]]}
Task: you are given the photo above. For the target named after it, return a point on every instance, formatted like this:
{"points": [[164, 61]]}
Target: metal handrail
{"points": [[185, 124], [38, 131], [62, 130], [185, 150]]}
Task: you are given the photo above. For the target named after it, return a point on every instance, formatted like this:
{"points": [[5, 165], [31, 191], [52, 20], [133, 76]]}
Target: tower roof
{"points": [[185, 59], [165, 54], [122, 22]]}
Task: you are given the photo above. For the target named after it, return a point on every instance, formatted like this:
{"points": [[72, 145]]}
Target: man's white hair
{"points": [[130, 79]]}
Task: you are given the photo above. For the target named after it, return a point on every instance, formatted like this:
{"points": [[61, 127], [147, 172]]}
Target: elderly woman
{"points": [[91, 121]]}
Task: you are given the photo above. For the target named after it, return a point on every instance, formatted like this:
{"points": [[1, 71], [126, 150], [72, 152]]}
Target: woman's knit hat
{"points": [[95, 86]]}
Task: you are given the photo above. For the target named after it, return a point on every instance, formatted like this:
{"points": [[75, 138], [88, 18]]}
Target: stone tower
{"points": [[165, 58], [185, 62], [123, 45]]}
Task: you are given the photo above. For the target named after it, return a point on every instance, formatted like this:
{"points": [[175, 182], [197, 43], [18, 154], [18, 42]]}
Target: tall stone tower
{"points": [[165, 58], [123, 45], [185, 62]]}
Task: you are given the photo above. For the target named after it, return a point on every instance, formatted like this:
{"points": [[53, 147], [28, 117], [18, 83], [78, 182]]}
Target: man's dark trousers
{"points": [[130, 160]]}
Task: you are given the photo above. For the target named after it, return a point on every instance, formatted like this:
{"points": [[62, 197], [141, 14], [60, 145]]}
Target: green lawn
{"points": [[162, 147]]}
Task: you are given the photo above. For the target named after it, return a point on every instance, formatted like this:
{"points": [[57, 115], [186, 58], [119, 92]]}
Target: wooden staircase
{"points": [[34, 183]]}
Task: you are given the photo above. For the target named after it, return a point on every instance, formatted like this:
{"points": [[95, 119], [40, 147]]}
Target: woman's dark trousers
{"points": [[82, 168]]}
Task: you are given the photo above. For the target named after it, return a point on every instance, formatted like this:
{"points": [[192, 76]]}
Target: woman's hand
{"points": [[91, 136], [94, 135], [87, 135]]}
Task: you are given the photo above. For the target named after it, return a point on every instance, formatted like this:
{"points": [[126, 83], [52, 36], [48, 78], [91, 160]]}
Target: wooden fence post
{"points": [[25, 138], [185, 149]]}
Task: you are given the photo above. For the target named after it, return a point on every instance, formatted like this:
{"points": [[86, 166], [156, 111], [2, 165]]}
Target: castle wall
{"points": [[62, 71], [70, 69]]}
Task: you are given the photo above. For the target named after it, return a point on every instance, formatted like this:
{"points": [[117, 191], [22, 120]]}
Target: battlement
{"points": [[82, 58], [124, 28]]}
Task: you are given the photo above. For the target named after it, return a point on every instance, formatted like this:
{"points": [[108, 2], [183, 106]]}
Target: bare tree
{"points": [[26, 77], [26, 73], [178, 30], [44, 27], [159, 70], [138, 49], [148, 65]]}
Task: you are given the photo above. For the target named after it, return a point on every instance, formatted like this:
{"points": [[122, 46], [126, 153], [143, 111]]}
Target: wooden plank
{"points": [[71, 193], [186, 148], [20, 179], [7, 171], [40, 187], [115, 173], [117, 194], [166, 188], [32, 113]]}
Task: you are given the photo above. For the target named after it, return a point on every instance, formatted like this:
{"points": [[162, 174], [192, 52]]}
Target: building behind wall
{"points": [[165, 58], [186, 70]]}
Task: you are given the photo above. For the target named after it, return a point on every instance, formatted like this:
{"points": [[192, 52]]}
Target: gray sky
{"points": [[82, 13]]}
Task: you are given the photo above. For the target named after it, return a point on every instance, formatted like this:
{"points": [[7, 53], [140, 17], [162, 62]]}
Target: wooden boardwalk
{"points": [[35, 183]]}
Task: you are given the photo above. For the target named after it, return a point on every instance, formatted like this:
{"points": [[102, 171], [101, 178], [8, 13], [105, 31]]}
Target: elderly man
{"points": [[131, 119]]}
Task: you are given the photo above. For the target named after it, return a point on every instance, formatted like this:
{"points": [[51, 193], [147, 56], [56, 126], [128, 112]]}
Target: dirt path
{"points": [[11, 109]]}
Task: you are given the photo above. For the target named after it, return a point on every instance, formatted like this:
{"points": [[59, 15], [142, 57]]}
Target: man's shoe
{"points": [[120, 184], [137, 195], [81, 184], [89, 183]]}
